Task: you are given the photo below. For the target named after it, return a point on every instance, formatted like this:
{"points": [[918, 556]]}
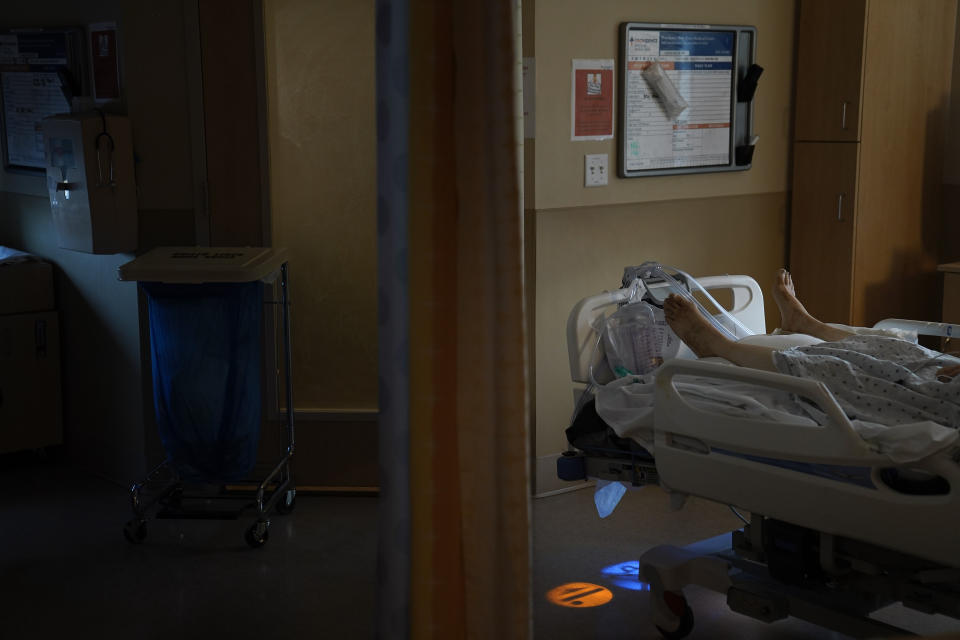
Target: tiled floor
{"points": [[67, 572], [572, 544]]}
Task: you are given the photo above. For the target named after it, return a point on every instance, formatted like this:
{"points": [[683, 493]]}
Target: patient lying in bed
{"points": [[704, 340], [880, 381], [874, 377]]}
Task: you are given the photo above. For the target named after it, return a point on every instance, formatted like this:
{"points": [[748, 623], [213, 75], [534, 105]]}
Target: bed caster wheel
{"points": [[287, 502], [258, 534], [679, 607], [135, 531]]}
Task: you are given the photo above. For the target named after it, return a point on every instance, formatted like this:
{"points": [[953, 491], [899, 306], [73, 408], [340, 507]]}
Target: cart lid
{"points": [[203, 264], [952, 267]]}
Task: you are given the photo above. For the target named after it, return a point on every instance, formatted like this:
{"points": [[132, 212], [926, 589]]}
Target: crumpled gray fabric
{"points": [[886, 386]]}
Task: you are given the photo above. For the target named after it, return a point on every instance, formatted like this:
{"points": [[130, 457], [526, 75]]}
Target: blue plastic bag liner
{"points": [[205, 346], [607, 496]]}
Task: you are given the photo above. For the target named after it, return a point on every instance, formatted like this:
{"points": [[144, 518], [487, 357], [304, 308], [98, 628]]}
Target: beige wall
{"points": [[322, 142], [567, 29], [705, 224]]}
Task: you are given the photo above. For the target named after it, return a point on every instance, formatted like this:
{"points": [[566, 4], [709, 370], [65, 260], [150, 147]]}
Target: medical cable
{"points": [[593, 384], [738, 514]]}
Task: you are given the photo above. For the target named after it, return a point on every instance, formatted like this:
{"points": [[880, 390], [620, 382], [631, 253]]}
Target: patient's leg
{"points": [[796, 319], [705, 340]]}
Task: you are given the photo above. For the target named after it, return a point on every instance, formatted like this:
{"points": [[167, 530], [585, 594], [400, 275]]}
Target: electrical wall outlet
{"points": [[595, 170]]}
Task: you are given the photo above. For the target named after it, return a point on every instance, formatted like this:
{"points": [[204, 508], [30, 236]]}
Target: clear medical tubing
{"points": [[632, 341], [638, 280], [649, 272]]}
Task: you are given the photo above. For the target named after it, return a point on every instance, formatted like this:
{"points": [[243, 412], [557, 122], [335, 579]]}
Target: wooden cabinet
{"points": [[873, 83], [830, 51], [951, 295], [951, 304], [30, 402], [825, 188]]}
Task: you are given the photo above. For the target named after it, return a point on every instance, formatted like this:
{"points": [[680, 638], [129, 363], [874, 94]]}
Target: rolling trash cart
{"points": [[205, 308]]}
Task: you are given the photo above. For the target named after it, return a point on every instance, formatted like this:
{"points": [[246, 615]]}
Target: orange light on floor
{"points": [[579, 595]]}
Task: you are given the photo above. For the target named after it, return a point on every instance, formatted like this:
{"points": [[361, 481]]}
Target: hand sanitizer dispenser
{"points": [[90, 182]]}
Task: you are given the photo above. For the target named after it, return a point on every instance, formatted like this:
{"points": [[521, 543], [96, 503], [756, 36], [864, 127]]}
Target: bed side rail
{"points": [[834, 443], [920, 327], [582, 337], [747, 299]]}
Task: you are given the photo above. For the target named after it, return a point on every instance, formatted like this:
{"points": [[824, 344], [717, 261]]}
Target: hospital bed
{"points": [[836, 531]]}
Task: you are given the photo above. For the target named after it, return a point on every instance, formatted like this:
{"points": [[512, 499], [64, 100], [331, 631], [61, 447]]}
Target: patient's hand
{"points": [[948, 372]]}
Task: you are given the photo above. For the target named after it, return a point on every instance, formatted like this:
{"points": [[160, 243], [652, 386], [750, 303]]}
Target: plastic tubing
{"points": [[651, 270]]}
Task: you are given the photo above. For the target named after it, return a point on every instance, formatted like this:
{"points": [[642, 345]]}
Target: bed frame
{"points": [[832, 558]]}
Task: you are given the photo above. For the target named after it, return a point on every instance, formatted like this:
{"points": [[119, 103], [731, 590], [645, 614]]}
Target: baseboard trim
{"points": [[546, 482], [556, 492], [331, 415], [334, 490]]}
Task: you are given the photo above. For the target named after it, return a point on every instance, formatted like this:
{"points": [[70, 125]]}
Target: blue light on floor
{"points": [[626, 575]]}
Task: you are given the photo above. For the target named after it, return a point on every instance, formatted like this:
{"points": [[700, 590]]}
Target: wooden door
{"points": [[829, 62], [822, 226], [233, 122]]}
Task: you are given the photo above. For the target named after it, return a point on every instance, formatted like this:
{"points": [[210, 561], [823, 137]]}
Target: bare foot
{"points": [[793, 316], [691, 327]]}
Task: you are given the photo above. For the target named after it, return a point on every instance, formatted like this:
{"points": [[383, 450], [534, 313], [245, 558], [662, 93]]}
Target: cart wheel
{"points": [[257, 535], [175, 499], [135, 531], [287, 502], [678, 605]]}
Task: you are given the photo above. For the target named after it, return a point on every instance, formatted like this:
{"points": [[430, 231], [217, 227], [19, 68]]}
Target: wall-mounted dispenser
{"points": [[90, 180]]}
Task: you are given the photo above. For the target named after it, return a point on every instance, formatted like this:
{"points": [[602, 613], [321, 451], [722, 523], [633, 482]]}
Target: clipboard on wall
{"points": [[707, 65], [40, 72]]}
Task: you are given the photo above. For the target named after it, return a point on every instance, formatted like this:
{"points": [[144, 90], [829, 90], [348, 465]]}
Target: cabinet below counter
{"points": [[30, 403]]}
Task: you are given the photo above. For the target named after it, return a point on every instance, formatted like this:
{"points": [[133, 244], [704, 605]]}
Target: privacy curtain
{"points": [[468, 444]]}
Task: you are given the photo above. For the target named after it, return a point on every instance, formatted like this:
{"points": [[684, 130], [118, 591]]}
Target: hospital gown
{"points": [[879, 379]]}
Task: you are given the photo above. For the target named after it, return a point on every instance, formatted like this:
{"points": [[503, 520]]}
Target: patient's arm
{"points": [[948, 372]]}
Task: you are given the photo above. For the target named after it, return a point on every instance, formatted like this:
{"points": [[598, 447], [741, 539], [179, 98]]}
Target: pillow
{"points": [[781, 341]]}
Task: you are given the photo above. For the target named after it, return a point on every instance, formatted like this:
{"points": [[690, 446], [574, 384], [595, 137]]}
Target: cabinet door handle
{"points": [[840, 207], [843, 115]]}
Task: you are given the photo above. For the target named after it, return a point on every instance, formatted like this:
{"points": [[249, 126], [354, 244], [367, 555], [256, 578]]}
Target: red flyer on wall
{"points": [[104, 61], [592, 100]]}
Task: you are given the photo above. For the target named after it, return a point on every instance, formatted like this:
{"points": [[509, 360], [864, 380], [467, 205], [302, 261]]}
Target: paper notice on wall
{"points": [[39, 74], [28, 98], [591, 100], [104, 61]]}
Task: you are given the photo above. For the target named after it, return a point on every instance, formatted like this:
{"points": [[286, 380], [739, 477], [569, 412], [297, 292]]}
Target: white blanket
{"points": [[886, 386], [10, 256]]}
